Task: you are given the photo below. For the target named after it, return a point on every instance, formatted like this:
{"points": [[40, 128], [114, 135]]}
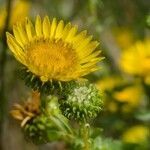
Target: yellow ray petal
{"points": [[90, 57], [29, 29], [83, 43], [91, 68], [17, 36], [38, 26], [88, 70], [66, 30], [46, 27], [88, 49], [15, 48], [71, 34], [22, 33], [79, 37], [91, 63], [59, 29], [53, 28]]}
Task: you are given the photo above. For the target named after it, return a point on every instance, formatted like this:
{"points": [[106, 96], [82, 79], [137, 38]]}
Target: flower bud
{"points": [[81, 101]]}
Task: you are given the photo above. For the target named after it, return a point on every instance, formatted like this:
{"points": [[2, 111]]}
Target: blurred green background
{"points": [[122, 27]]}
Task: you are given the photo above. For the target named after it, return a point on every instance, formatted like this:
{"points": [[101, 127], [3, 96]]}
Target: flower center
{"points": [[51, 59]]}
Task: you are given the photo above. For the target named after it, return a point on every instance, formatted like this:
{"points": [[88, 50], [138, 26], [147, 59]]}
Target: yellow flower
{"points": [[136, 59], [20, 9], [53, 50], [130, 95], [108, 83], [123, 37], [136, 134]]}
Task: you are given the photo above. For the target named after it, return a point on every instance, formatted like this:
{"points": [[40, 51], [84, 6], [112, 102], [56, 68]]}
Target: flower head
{"points": [[53, 50], [136, 134], [108, 83], [130, 97], [136, 59]]}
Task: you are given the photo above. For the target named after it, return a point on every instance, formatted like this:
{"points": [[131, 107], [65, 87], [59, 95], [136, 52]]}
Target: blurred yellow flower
{"points": [[130, 95], [20, 10], [147, 80], [108, 83], [123, 37], [53, 50], [112, 106], [136, 134], [136, 59]]}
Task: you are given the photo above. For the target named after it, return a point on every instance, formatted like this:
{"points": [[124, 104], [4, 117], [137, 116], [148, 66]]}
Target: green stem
{"points": [[85, 134], [3, 100]]}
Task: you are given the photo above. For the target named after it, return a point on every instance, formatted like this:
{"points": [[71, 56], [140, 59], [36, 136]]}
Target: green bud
{"points": [[35, 130], [50, 125], [43, 129], [81, 101]]}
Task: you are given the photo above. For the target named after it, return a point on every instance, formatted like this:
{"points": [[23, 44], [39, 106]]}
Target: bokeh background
{"points": [[122, 27]]}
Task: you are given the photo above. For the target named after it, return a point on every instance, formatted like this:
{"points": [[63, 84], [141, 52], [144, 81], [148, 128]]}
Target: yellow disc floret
{"points": [[53, 51]]}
